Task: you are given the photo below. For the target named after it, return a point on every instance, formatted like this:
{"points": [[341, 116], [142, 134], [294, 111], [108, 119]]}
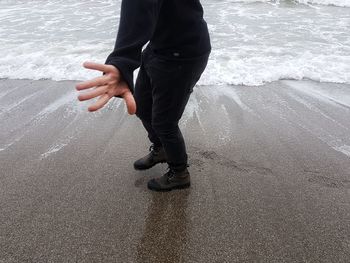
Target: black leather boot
{"points": [[156, 155], [173, 179]]}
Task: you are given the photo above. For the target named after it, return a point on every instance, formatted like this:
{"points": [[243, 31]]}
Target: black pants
{"points": [[162, 90]]}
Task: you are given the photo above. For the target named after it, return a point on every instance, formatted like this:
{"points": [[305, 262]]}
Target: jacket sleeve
{"points": [[138, 19]]}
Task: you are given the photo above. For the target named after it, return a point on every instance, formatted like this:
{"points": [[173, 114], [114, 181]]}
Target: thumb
{"points": [[130, 102]]}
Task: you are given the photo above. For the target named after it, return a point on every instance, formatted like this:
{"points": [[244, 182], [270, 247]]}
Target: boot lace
{"points": [[154, 149], [151, 148], [170, 173]]}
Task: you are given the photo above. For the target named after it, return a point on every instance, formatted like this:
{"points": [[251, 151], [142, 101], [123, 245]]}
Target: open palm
{"points": [[106, 87]]}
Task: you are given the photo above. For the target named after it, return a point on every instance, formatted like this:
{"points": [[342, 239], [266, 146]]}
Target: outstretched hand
{"points": [[105, 87]]}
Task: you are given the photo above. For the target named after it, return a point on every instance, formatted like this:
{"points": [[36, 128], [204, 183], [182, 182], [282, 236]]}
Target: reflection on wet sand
{"points": [[164, 236]]}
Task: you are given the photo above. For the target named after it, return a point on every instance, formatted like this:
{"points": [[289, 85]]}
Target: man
{"points": [[170, 66]]}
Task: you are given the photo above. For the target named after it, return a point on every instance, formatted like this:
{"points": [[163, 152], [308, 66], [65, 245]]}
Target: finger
{"points": [[99, 67], [99, 81], [94, 93], [99, 103], [130, 102]]}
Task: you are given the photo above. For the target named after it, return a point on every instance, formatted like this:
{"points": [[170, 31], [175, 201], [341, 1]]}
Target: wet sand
{"points": [[270, 170]]}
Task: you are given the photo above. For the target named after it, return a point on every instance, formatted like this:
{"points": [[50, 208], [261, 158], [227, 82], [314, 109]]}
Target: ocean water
{"points": [[254, 42]]}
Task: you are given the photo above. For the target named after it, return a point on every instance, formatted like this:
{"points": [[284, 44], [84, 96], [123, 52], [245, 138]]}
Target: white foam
{"points": [[345, 149], [340, 3], [314, 108], [53, 149], [16, 104], [253, 43], [69, 98], [67, 102], [336, 97]]}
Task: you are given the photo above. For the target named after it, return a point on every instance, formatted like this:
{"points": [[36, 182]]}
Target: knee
{"points": [[165, 129]]}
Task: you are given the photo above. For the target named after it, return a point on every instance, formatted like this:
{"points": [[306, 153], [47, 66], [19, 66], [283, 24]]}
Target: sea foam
{"points": [[252, 42]]}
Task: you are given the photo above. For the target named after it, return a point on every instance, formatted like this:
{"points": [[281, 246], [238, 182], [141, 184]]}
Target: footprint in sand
{"points": [[327, 181], [221, 160]]}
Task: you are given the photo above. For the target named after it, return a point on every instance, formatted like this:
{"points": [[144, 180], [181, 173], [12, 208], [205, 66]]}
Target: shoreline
{"points": [[201, 85]]}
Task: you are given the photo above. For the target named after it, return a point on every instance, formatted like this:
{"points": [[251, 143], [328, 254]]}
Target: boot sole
{"points": [[149, 167], [183, 186]]}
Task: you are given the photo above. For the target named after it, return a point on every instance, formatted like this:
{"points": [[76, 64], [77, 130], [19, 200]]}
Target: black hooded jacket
{"points": [[175, 30]]}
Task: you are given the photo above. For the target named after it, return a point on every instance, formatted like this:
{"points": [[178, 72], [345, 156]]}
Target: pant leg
{"points": [[172, 83], [144, 101]]}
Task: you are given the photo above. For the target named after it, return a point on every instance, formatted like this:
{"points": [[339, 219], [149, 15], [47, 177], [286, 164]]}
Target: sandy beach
{"points": [[270, 168]]}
